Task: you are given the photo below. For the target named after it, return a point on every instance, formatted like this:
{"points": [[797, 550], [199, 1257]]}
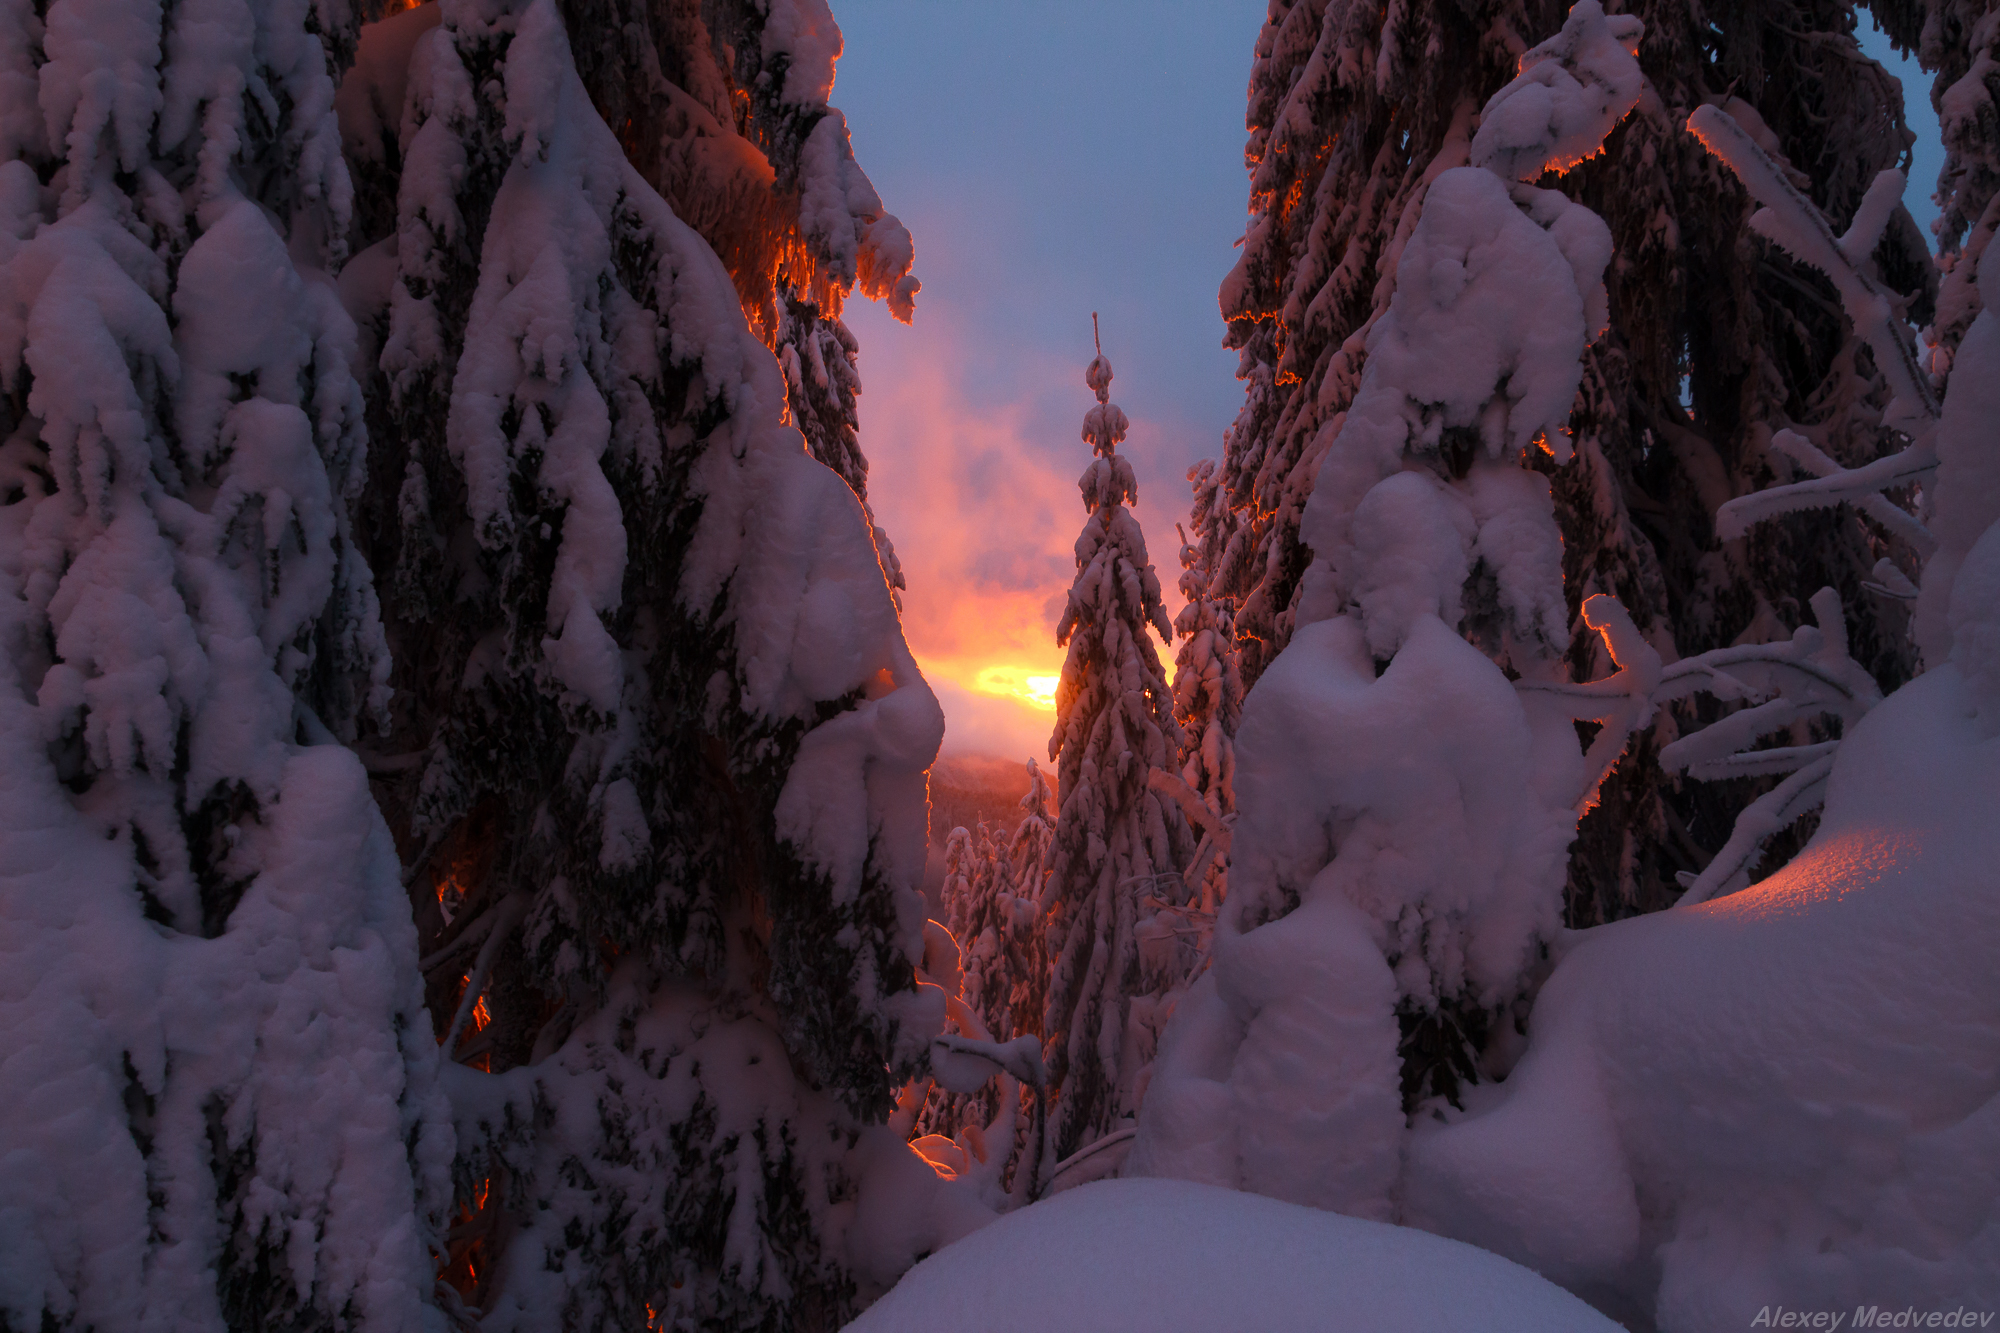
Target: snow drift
{"points": [[1791, 1094], [1158, 1256]]}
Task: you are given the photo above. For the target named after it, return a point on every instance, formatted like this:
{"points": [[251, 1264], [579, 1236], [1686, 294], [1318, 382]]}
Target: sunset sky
{"points": [[1054, 158], [1051, 159]]}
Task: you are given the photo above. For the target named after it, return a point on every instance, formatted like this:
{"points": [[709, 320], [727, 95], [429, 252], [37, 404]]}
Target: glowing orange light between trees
{"points": [[1010, 682]]}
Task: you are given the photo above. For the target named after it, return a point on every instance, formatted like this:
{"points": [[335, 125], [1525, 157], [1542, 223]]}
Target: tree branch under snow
{"points": [[1020, 1058], [506, 915], [1622, 702], [1794, 222], [1810, 675], [1173, 786], [1832, 484]]}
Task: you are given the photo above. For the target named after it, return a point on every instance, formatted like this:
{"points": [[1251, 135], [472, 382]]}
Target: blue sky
{"points": [[1053, 159]]}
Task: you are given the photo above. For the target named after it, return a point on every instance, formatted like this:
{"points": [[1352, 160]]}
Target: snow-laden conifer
{"points": [[1354, 110], [993, 908], [1407, 784], [1710, 365], [1027, 855], [659, 754], [1794, 1075], [217, 1090], [995, 927], [724, 109], [1208, 686], [1117, 842], [972, 876]]}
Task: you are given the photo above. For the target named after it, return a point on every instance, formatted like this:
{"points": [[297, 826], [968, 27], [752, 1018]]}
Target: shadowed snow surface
{"points": [[1167, 1256]]}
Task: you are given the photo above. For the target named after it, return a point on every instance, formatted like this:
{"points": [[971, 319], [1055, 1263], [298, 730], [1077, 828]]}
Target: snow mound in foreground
{"points": [[1789, 1096], [1162, 1256]]}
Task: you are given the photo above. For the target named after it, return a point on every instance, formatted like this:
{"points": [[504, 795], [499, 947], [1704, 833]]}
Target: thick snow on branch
{"points": [[1622, 703], [1795, 223], [1790, 683], [963, 1064], [1440, 842], [843, 219], [1572, 90], [1960, 600], [1832, 485], [217, 1098]]}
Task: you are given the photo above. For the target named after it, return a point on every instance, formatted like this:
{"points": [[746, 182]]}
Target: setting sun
{"points": [[1016, 683]]}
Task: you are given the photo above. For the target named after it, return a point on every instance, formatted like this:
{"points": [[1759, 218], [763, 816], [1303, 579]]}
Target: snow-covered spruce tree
{"points": [[218, 1102], [973, 875], [1208, 687], [658, 744], [1027, 875], [1349, 123], [1706, 313], [1407, 780], [724, 109], [1117, 842], [992, 901], [1792, 1076], [980, 909]]}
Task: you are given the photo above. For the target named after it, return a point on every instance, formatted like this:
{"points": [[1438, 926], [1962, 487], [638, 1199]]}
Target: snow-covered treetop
{"points": [[1115, 839], [1108, 485], [1572, 89], [1108, 482]]}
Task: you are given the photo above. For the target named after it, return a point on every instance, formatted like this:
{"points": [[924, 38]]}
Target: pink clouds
{"points": [[981, 502]]}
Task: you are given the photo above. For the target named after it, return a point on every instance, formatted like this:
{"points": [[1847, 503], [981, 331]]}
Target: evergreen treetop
{"points": [[1116, 841]]}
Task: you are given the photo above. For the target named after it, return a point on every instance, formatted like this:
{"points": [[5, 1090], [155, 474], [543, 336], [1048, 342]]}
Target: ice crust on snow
{"points": [[1158, 1256]]}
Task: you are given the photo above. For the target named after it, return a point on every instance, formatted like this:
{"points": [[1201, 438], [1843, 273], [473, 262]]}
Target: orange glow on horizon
{"points": [[1011, 682], [982, 507]]}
